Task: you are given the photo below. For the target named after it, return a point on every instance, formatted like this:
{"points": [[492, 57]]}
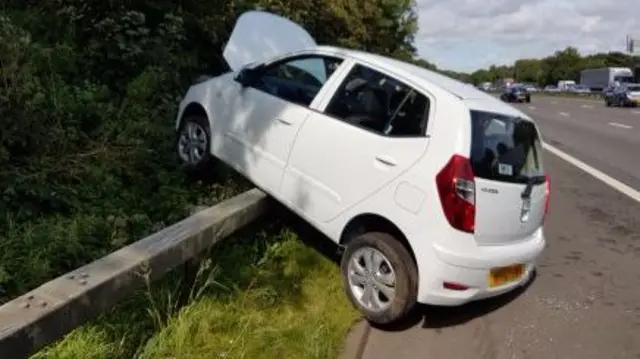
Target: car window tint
{"points": [[505, 148], [379, 103], [298, 80]]}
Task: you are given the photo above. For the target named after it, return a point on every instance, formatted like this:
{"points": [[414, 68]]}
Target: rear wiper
{"points": [[531, 181]]}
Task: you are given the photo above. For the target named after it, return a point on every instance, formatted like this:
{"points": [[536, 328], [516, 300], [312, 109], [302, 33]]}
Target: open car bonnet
{"points": [[259, 36]]}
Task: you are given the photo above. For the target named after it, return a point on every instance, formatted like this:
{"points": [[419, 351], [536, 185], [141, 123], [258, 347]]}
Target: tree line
{"points": [[561, 65]]}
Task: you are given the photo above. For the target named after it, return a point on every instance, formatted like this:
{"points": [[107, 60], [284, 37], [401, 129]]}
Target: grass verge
{"points": [[264, 295]]}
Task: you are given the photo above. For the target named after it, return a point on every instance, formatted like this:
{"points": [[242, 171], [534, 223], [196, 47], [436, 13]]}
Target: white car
{"points": [[436, 190]]}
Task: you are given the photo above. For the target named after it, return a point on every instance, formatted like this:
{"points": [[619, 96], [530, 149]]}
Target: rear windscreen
{"points": [[505, 148]]}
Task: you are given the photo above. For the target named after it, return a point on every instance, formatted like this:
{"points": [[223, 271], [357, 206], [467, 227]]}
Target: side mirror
{"points": [[245, 77]]}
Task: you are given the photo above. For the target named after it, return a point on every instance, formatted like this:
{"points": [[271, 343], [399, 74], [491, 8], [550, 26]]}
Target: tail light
{"points": [[456, 188], [547, 194]]}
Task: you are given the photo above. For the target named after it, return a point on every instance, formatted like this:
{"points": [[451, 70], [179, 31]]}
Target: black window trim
{"points": [[425, 116]]}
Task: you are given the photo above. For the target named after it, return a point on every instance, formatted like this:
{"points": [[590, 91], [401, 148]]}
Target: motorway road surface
{"points": [[605, 138], [585, 301]]}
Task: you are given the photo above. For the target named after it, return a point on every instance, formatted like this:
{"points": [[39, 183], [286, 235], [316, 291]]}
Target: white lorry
{"points": [[599, 79]]}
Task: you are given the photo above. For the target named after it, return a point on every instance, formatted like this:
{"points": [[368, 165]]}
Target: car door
{"points": [[269, 112], [363, 136], [619, 95]]}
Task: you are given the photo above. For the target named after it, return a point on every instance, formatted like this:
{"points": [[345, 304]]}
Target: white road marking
{"points": [[532, 107], [554, 102], [587, 106], [620, 125], [636, 112], [610, 181], [565, 114]]}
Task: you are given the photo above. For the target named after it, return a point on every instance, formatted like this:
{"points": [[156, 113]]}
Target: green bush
{"points": [[86, 165], [88, 99]]}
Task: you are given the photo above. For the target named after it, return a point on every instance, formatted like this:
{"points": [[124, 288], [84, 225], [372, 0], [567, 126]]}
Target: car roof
{"points": [[432, 78]]}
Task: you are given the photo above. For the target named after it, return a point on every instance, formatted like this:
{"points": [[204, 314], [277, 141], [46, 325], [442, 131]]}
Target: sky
{"points": [[466, 35]]}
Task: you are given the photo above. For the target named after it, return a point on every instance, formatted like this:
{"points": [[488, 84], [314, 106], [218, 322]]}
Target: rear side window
{"points": [[505, 148], [380, 103]]}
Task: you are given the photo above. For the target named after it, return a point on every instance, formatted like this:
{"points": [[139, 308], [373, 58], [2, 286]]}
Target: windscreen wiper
{"points": [[531, 181]]}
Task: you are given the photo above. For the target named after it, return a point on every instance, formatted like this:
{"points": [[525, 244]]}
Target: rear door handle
{"points": [[389, 161], [285, 121]]}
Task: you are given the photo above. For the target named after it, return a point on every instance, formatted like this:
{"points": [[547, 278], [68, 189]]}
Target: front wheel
{"points": [[193, 144], [380, 277]]}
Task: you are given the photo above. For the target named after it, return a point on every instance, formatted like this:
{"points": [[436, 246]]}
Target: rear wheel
{"points": [[380, 277], [620, 102], [607, 102], [193, 144]]}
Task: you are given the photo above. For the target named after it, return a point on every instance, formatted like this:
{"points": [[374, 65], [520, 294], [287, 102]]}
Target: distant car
{"points": [[624, 96], [516, 94], [531, 88], [551, 88], [484, 86], [436, 191], [608, 94], [579, 89]]}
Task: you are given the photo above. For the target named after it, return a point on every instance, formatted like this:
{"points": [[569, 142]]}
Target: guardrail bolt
{"points": [[84, 275], [25, 305], [30, 297], [71, 276], [43, 303], [83, 281]]}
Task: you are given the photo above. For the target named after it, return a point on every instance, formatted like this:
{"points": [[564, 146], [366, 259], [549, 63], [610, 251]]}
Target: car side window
{"points": [[380, 103], [297, 80]]}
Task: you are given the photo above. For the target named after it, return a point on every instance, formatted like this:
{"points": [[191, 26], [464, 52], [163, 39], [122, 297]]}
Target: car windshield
{"points": [[505, 148]]}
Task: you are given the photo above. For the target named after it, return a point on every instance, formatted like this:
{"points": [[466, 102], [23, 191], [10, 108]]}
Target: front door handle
{"points": [[389, 161], [284, 121]]}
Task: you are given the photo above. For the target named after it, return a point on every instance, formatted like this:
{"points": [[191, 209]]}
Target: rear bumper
{"points": [[471, 268]]}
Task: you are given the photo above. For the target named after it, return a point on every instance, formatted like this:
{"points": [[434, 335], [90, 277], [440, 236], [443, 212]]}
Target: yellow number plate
{"points": [[502, 275]]}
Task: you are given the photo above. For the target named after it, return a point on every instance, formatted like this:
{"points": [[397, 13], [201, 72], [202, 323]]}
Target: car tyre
{"points": [[193, 144], [607, 103], [388, 259]]}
